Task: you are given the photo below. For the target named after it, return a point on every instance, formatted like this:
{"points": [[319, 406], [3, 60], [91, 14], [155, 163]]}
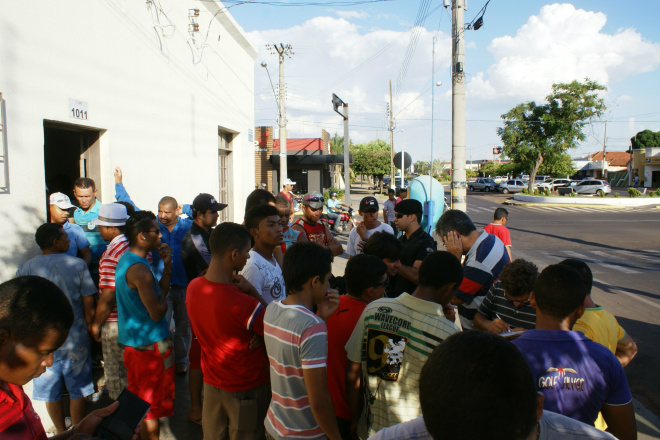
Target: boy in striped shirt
{"points": [[296, 342]]}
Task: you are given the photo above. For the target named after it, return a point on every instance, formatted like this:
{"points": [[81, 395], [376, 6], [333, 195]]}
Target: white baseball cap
{"points": [[61, 200], [288, 182]]}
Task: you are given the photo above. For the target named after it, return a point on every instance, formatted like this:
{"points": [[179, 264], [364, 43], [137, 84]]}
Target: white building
{"points": [[162, 88]]}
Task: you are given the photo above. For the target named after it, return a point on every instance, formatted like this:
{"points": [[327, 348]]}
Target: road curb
{"points": [[563, 205]]}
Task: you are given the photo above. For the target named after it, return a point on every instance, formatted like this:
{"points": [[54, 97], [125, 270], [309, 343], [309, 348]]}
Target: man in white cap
{"points": [[110, 223], [60, 204], [287, 188]]}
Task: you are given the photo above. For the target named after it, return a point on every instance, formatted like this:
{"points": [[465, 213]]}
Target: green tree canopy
{"points": [[371, 159], [337, 144], [534, 134], [645, 139]]}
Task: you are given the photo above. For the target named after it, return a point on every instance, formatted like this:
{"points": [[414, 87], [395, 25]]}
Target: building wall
{"points": [[156, 97], [263, 149]]}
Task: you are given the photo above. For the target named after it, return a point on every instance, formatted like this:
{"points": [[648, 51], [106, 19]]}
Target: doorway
{"points": [[70, 152]]}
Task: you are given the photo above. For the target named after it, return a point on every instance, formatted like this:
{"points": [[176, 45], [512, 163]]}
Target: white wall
{"points": [[159, 96]]}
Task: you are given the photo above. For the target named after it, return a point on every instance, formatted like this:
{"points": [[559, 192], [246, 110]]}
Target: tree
{"points": [[535, 133], [371, 159], [337, 144], [645, 139]]}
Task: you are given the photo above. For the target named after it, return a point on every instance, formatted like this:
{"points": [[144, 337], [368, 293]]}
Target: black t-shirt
{"points": [[416, 247], [195, 251]]}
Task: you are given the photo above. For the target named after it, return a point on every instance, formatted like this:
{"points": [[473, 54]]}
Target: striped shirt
{"points": [[392, 339], [108, 264], [295, 339], [496, 304], [482, 266]]}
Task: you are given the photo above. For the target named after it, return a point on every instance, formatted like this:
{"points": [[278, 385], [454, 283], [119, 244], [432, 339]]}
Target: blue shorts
{"points": [[72, 368]]}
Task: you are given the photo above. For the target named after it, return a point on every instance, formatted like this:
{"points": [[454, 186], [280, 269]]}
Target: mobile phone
{"points": [[121, 424]]}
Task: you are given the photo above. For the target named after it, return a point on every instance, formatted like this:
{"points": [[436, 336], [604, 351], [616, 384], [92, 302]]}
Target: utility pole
{"points": [[336, 102], [431, 203], [391, 128], [603, 173], [458, 193], [282, 50]]}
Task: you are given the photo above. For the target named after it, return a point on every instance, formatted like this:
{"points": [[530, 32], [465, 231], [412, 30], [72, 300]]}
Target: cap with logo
{"points": [[369, 204], [61, 200], [288, 182], [203, 202], [314, 200], [111, 214]]}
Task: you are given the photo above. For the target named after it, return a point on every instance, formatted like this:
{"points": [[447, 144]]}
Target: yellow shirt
{"points": [[600, 326]]}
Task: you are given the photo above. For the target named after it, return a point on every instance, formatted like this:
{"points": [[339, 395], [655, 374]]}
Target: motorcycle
{"points": [[346, 221]]}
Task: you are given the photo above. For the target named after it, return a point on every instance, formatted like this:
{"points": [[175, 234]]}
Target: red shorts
{"points": [[195, 355], [150, 375]]}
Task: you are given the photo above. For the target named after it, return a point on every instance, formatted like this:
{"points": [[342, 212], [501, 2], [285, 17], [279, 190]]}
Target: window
{"points": [[225, 172]]}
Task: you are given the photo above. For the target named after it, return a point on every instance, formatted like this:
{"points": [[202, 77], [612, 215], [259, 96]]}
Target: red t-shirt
{"points": [[224, 320], [340, 327], [500, 231], [18, 419]]}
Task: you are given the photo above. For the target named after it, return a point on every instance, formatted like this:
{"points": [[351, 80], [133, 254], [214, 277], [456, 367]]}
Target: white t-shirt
{"points": [[354, 238], [265, 276]]}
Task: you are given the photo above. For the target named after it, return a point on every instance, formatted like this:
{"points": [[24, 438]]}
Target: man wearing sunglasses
{"points": [[316, 231], [506, 306], [417, 244]]}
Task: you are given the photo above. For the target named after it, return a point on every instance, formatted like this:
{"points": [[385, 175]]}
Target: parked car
{"points": [[560, 183], [542, 186], [512, 186], [591, 186], [482, 184]]}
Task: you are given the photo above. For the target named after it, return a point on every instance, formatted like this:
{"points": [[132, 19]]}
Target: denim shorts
{"points": [[72, 368]]}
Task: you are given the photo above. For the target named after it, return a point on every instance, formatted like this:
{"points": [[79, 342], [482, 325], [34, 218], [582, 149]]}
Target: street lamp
{"points": [[336, 103]]}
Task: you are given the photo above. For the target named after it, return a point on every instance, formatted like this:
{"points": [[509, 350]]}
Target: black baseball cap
{"points": [[369, 203], [204, 202]]}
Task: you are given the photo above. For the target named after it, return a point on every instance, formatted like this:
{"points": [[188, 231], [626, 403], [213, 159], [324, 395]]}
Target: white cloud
{"points": [[333, 55], [352, 14], [561, 44]]}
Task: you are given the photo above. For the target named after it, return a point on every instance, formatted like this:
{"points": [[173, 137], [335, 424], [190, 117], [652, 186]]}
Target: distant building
{"points": [[646, 165], [309, 162], [592, 164], [164, 89]]}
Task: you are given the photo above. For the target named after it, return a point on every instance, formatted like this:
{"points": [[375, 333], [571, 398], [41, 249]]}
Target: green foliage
{"points": [[572, 194], [489, 169], [534, 134], [470, 174], [616, 194], [546, 192], [536, 191], [525, 191], [634, 192], [646, 139], [340, 193], [371, 159], [337, 144], [657, 192], [651, 194]]}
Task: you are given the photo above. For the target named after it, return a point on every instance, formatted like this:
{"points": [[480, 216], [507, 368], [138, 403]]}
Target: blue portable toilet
{"points": [[422, 188]]}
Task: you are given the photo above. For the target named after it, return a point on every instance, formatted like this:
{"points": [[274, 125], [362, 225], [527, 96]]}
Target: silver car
{"points": [[591, 186], [512, 186]]}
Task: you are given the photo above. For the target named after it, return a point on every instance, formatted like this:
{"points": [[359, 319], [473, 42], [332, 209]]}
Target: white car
{"points": [[591, 186]]}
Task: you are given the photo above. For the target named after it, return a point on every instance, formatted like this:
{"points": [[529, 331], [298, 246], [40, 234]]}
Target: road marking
{"points": [[640, 256], [601, 263], [631, 295]]}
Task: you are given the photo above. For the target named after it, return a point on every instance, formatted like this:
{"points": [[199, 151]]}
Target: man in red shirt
{"points": [[225, 311], [35, 318], [498, 229], [287, 193], [316, 231], [366, 279]]}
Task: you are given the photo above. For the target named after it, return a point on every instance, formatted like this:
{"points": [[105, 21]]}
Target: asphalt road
{"points": [[622, 248]]}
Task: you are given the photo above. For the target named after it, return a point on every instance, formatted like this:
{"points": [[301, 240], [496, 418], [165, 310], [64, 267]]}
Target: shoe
{"points": [[181, 368]]}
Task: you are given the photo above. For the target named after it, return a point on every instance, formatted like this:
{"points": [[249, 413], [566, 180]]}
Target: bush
{"points": [[536, 192], [340, 193], [525, 191], [546, 192], [657, 192], [652, 194], [616, 194], [573, 194], [634, 192]]}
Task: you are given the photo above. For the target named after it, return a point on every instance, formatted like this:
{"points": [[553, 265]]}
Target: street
{"points": [[622, 248]]}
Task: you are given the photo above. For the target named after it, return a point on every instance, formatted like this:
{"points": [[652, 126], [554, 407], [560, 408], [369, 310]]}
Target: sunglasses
{"points": [[315, 199], [399, 215]]}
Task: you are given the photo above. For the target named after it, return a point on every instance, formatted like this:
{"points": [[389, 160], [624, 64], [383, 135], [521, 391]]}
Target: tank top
{"points": [[315, 233]]}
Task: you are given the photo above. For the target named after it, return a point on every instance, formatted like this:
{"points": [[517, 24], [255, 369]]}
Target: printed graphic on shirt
{"points": [[317, 237], [561, 378], [271, 279], [385, 353]]}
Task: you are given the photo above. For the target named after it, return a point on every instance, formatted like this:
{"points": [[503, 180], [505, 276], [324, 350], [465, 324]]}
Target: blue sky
{"points": [[523, 47]]}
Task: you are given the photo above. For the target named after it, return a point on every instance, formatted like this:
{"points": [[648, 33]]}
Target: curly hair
{"points": [[518, 277]]}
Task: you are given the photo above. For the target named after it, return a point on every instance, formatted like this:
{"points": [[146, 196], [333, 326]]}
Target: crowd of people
{"points": [[276, 346]]}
